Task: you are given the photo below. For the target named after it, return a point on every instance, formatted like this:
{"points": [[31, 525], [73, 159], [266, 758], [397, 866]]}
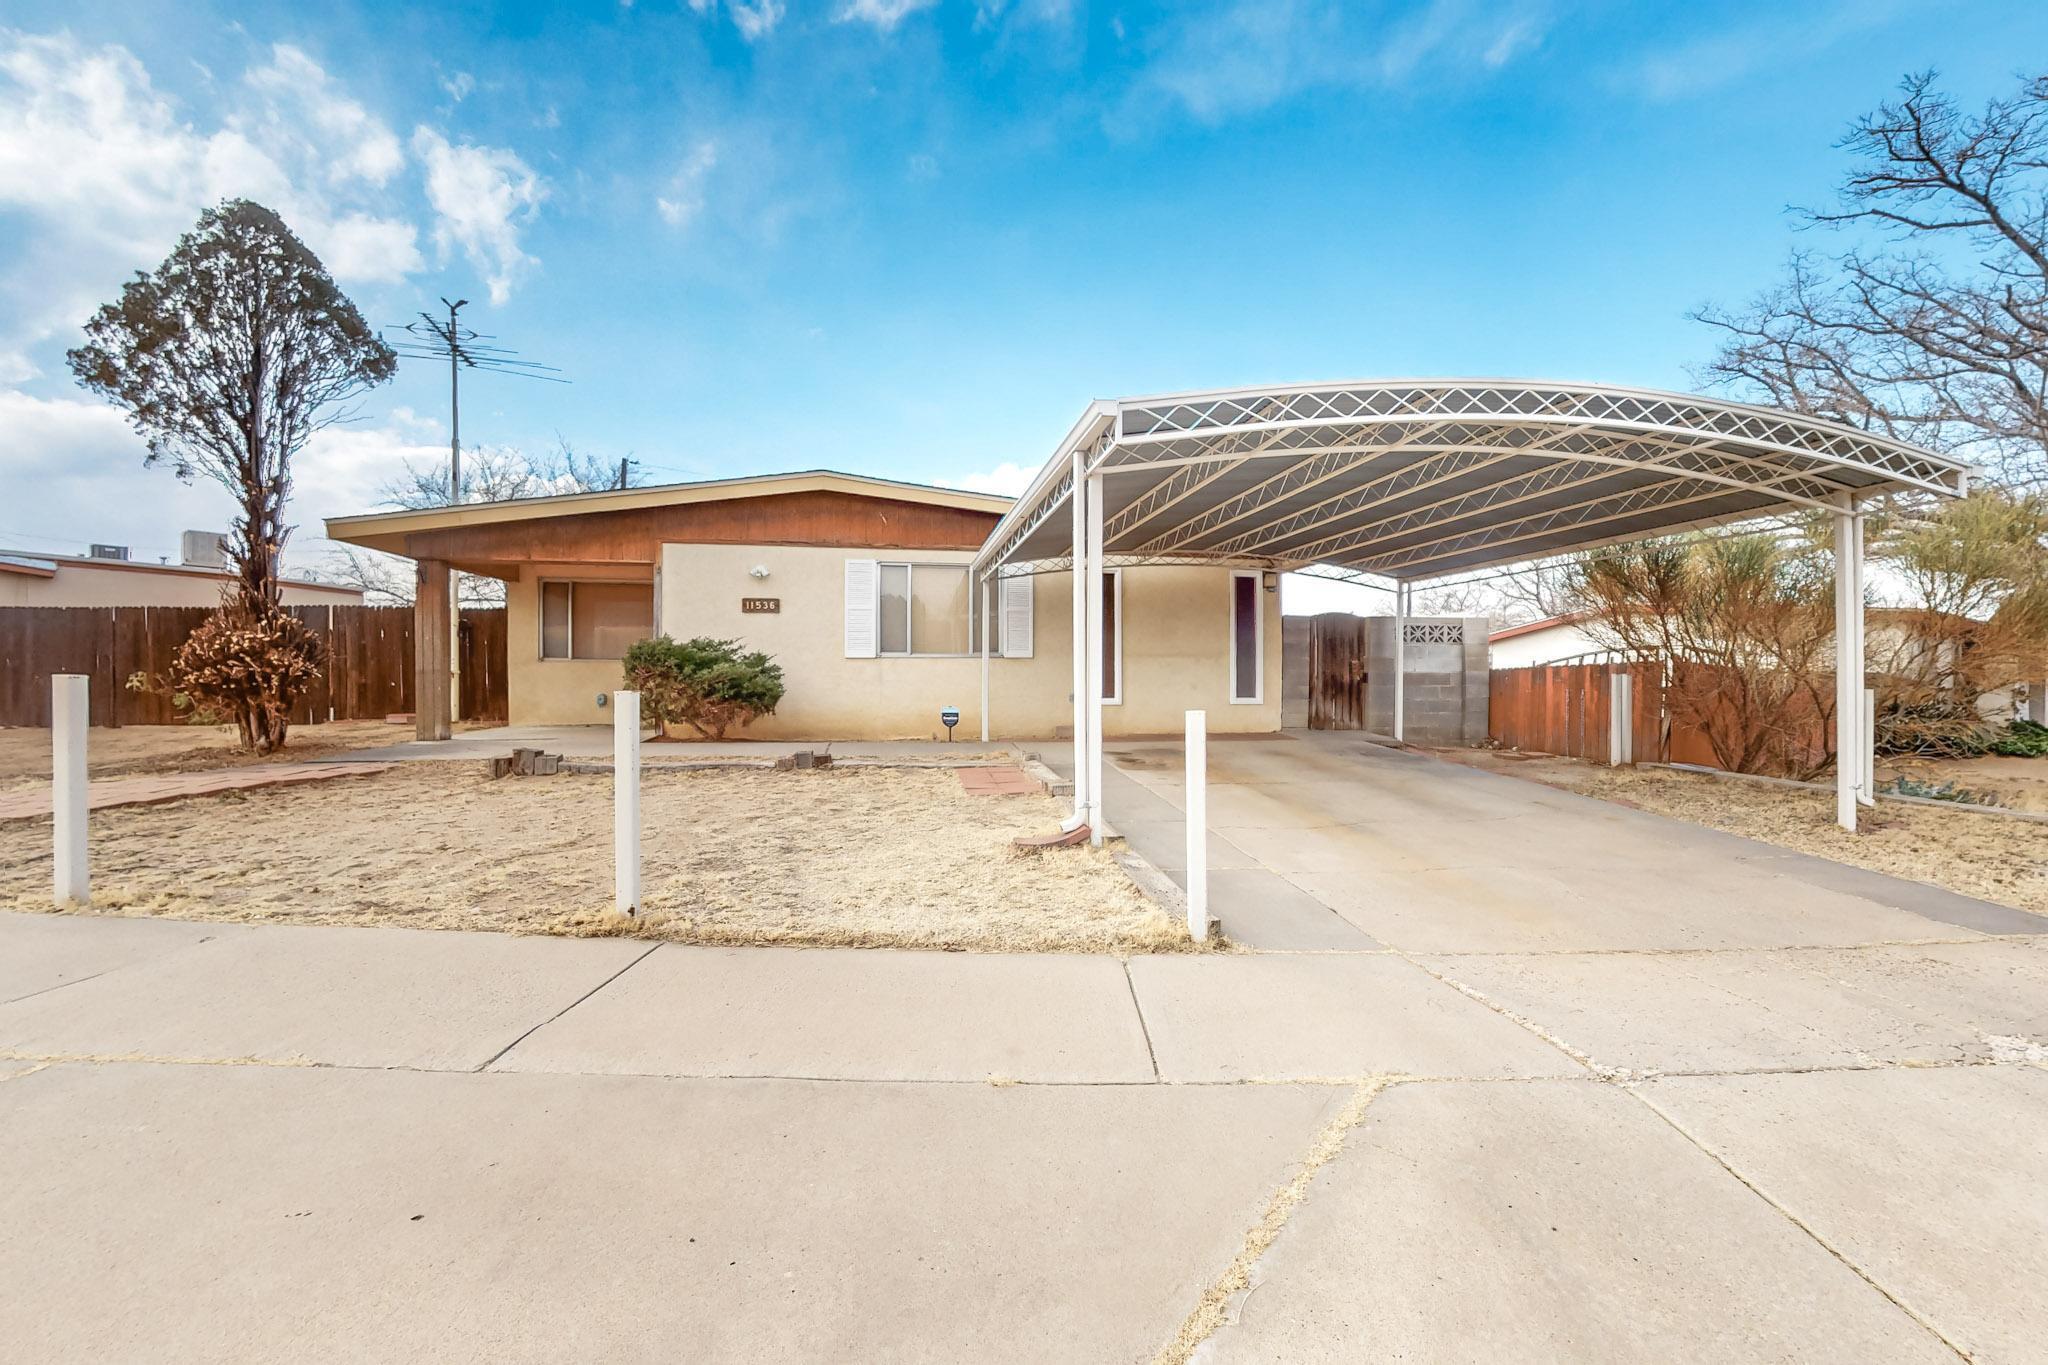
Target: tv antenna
{"points": [[464, 347]]}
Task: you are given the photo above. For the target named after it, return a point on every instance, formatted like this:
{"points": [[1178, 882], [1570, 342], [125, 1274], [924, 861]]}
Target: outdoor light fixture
{"points": [[1272, 581], [758, 571]]}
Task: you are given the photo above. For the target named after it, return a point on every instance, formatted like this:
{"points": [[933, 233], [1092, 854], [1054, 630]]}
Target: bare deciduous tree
{"points": [[1932, 324], [489, 474]]}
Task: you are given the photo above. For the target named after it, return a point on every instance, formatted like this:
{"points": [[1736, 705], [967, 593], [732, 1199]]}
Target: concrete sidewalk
{"points": [[234, 1142]]}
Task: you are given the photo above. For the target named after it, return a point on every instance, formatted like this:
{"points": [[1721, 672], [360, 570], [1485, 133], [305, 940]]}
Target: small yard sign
{"points": [[759, 605]]}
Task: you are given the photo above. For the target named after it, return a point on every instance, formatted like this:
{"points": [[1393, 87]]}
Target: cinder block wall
{"points": [[1448, 678]]}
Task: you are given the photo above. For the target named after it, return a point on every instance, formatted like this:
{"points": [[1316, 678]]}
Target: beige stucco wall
{"points": [[89, 585], [555, 691], [1177, 624]]}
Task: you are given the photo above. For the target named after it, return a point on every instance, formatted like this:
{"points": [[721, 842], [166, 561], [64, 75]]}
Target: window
{"points": [[1247, 609], [590, 620], [900, 610], [1113, 637], [923, 609]]}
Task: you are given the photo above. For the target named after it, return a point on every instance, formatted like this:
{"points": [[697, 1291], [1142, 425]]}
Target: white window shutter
{"points": [[1017, 617], [862, 615]]}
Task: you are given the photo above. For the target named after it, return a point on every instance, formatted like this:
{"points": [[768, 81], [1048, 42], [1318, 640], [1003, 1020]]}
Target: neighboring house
{"points": [[859, 588], [1552, 640], [97, 581]]}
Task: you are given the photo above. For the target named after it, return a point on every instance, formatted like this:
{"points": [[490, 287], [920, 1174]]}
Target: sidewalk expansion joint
{"points": [[1796, 1221], [1143, 1028], [493, 1059]]}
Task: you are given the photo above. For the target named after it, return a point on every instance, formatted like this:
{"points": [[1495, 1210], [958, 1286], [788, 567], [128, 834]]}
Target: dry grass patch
{"points": [[134, 750], [866, 857]]}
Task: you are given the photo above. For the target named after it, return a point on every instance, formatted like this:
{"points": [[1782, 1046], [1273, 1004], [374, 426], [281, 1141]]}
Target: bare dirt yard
{"points": [[135, 749], [867, 857], [1988, 856]]}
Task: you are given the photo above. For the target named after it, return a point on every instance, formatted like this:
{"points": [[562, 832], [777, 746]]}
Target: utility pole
{"points": [[430, 340], [455, 358]]}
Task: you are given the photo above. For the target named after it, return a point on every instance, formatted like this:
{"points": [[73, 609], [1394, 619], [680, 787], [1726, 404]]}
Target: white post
{"points": [[1866, 712], [1198, 825], [1621, 718], [1094, 589], [1848, 686], [70, 708], [988, 625], [1866, 793], [1078, 503], [1400, 661], [626, 801]]}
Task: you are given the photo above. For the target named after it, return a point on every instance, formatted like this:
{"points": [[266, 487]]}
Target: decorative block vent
{"points": [[1433, 633]]}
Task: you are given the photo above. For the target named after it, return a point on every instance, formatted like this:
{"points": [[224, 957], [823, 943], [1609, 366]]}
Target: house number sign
{"points": [[753, 605]]}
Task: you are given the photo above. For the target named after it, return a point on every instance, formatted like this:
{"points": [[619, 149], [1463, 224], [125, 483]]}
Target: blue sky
{"points": [[915, 239]]}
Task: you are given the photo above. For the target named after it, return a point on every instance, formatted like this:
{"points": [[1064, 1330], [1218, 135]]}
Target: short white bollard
{"points": [[626, 800], [70, 707], [1198, 825]]}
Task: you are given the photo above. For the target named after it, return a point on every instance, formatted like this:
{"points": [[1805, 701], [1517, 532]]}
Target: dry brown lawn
{"points": [[866, 857], [136, 749], [1989, 856]]}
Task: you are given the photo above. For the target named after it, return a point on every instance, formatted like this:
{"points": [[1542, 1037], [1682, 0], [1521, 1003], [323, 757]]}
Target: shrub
{"points": [[1939, 728], [1938, 791], [2022, 739], [709, 685], [249, 666]]}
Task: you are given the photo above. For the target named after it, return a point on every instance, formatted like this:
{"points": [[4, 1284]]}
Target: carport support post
{"points": [[987, 625], [70, 707], [1849, 728], [1079, 504], [1094, 590], [1198, 825], [626, 802], [1400, 662]]}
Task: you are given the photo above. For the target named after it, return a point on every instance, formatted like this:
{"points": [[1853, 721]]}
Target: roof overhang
{"points": [[388, 530], [1414, 479]]}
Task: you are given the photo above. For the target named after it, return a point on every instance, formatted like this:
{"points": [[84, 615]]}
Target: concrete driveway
{"points": [[1518, 1076]]}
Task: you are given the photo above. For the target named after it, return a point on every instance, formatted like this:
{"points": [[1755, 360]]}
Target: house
{"points": [[859, 588], [1554, 639], [110, 579]]}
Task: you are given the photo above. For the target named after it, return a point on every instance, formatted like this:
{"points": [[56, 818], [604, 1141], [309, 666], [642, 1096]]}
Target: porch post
{"points": [[1848, 662], [987, 625], [432, 643], [1094, 590], [1400, 661], [1078, 503]]}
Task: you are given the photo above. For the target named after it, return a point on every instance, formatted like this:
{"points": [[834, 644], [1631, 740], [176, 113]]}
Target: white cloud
{"points": [[922, 166], [1008, 478], [1241, 56], [481, 196], [62, 456], [459, 86], [883, 14], [757, 20], [684, 201], [305, 111], [106, 173]]}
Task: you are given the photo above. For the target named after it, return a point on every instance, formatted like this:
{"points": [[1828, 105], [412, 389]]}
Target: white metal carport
{"points": [[1402, 482]]}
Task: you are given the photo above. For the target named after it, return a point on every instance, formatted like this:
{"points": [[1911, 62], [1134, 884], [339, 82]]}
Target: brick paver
{"points": [[158, 787], [999, 781]]}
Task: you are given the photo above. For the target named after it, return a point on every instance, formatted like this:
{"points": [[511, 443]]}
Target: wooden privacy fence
{"points": [[369, 671], [1564, 709]]}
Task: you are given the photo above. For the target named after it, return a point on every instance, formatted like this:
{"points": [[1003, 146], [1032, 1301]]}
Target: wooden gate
{"points": [[1336, 672]]}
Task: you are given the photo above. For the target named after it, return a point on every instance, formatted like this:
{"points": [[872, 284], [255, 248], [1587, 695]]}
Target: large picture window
{"points": [[923, 609], [591, 620]]}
